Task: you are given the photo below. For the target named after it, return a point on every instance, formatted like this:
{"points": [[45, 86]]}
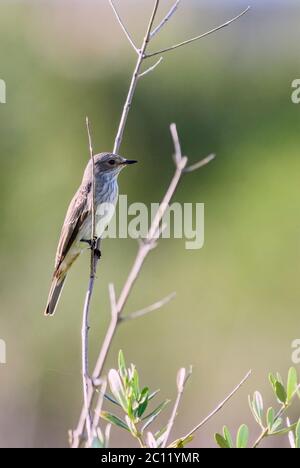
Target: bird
{"points": [[78, 224]]}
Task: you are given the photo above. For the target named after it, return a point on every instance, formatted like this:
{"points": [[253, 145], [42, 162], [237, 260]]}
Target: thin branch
{"points": [[151, 69], [199, 164], [124, 27], [218, 408], [112, 297], [165, 19], [197, 38], [178, 153], [93, 191], [134, 81], [182, 378], [147, 310], [85, 316]]}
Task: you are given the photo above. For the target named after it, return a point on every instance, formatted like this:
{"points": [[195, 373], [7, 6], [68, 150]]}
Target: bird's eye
{"points": [[112, 162]]}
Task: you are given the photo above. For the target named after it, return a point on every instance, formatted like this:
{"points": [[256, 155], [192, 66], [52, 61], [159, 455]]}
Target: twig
{"points": [[123, 27], [165, 19], [182, 378], [218, 408], [151, 69], [134, 80], [147, 310], [178, 153], [197, 38], [199, 164], [85, 317], [93, 195]]}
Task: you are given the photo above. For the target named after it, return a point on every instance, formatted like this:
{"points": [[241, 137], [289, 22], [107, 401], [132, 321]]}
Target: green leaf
{"points": [[272, 380], [111, 418], [259, 404], [242, 437], [297, 433], [150, 418], [112, 400], [222, 443], [280, 392], [135, 384], [284, 431], [291, 383], [228, 437], [181, 443], [270, 418], [279, 378], [131, 426], [117, 388], [277, 424], [160, 436], [255, 409], [143, 402], [153, 395], [122, 366]]}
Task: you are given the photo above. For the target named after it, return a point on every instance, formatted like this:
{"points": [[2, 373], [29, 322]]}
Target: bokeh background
{"points": [[237, 304]]}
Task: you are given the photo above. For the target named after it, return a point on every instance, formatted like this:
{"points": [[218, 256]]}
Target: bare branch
{"points": [[197, 38], [134, 81], [151, 69], [219, 407], [93, 189], [200, 164], [85, 316], [178, 154], [182, 378], [165, 19], [112, 297], [152, 308], [123, 27]]}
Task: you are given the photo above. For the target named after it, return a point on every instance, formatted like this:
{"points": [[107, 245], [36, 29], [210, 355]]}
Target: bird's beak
{"points": [[129, 161]]}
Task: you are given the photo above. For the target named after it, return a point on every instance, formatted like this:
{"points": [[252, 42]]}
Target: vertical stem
{"points": [[134, 81], [86, 310]]}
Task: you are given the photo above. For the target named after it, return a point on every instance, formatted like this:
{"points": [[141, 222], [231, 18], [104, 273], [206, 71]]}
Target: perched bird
{"points": [[77, 228]]}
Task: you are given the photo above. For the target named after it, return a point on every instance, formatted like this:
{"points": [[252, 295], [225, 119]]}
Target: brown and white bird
{"points": [[77, 227]]}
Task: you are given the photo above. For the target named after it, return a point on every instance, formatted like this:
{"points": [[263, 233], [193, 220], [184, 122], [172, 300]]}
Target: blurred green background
{"points": [[237, 304]]}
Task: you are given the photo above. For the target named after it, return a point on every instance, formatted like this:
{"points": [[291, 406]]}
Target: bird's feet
{"points": [[93, 246]]}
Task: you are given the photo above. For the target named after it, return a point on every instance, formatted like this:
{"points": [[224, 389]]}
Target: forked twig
{"points": [[165, 19], [201, 36], [123, 27], [182, 378]]}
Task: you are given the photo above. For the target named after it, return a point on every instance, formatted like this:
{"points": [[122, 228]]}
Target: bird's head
{"points": [[110, 164]]}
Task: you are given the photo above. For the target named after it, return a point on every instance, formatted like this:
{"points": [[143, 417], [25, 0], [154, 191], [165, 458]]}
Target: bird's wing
{"points": [[76, 215]]}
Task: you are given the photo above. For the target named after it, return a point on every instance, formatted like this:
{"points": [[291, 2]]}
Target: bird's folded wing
{"points": [[76, 215]]}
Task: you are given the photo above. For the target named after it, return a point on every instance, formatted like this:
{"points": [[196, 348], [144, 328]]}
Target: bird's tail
{"points": [[54, 295]]}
